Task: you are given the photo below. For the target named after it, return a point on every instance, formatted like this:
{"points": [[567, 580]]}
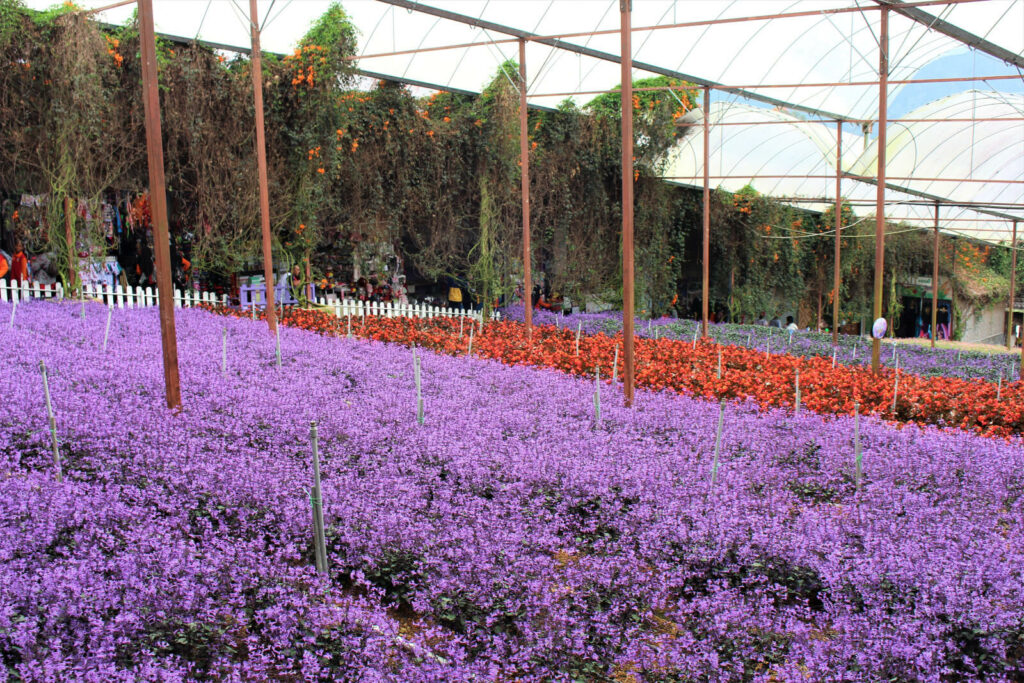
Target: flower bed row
{"points": [[509, 537], [682, 366], [852, 350]]}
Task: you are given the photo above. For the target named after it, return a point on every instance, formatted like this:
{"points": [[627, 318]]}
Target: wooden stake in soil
{"points": [[999, 387], [833, 356], [254, 308], [224, 353], [316, 501], [579, 328], [14, 309], [768, 347], [419, 386], [469, 351], [615, 365], [719, 363], [750, 336], [53, 423], [462, 325], [857, 464], [349, 316], [718, 443], [597, 396], [695, 333]]}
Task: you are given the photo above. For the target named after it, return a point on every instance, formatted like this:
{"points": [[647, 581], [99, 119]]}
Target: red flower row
{"points": [[681, 366]]}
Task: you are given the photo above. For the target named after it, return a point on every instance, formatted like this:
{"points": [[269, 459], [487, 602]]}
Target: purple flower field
{"points": [[918, 359], [509, 538]]}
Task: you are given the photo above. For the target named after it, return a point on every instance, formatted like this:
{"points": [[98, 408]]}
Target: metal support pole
{"points": [[625, 6], [158, 203], [883, 76], [69, 236], [524, 157], [1013, 283], [935, 279], [705, 275], [261, 165], [836, 278]]}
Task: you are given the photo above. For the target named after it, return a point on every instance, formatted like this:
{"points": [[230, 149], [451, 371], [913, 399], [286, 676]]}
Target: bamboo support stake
{"points": [[597, 397], [316, 501], [615, 365], [469, 351], [277, 345], [857, 460], [349, 316], [462, 325], [796, 403], [106, 331], [224, 352], [419, 385], [53, 423], [14, 309], [719, 363], [896, 386], [579, 329], [999, 387], [695, 333], [718, 444]]}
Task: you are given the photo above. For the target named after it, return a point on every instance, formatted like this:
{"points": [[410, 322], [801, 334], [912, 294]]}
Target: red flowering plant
{"points": [[692, 368]]}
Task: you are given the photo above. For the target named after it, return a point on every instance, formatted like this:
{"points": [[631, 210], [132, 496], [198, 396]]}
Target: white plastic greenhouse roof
{"points": [[776, 160], [795, 64]]}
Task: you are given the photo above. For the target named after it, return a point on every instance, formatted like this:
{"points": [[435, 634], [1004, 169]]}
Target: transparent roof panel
{"points": [[817, 59]]}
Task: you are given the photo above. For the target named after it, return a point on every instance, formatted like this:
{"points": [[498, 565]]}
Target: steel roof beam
{"points": [[925, 195], [954, 31], [604, 56]]}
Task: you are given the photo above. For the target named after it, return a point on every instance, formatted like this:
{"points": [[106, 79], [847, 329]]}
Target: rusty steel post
{"points": [[625, 6], [883, 75], [524, 162], [261, 166], [309, 281], [158, 203], [705, 268], [1013, 283], [69, 237], [935, 279], [836, 277]]}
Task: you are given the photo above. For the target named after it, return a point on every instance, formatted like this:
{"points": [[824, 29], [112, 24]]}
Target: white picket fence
{"points": [[393, 309], [115, 297], [138, 297]]}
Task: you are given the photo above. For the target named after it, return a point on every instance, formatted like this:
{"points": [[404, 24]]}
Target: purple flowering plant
{"points": [[510, 537]]}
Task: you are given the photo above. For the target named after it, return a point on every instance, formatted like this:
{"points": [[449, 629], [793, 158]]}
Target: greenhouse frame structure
{"points": [[990, 207]]}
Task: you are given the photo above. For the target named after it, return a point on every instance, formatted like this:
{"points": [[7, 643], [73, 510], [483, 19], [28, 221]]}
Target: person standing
{"points": [[19, 264], [454, 294]]}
